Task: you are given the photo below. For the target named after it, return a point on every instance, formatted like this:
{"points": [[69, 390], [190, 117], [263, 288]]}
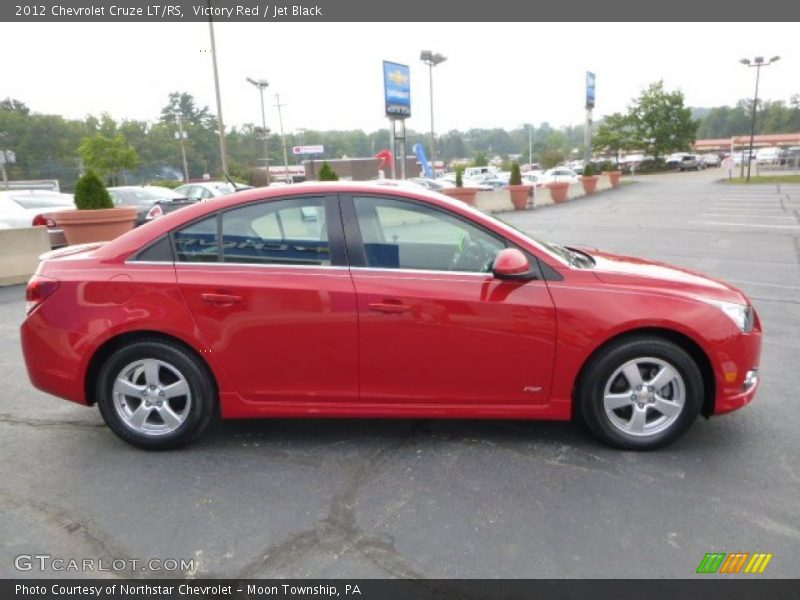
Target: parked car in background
{"points": [[768, 155], [205, 190], [534, 179], [436, 185], [690, 162], [146, 197], [740, 157], [560, 174], [31, 208], [473, 183], [673, 161], [360, 300], [711, 160]]}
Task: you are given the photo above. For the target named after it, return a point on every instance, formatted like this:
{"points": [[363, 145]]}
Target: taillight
{"points": [[38, 290], [41, 220], [154, 213]]}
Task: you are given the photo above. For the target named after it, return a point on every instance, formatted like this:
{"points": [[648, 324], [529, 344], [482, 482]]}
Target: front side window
{"points": [[398, 234], [287, 232]]}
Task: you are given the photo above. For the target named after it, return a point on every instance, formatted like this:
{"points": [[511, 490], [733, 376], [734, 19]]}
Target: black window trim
{"points": [[333, 220], [355, 245]]}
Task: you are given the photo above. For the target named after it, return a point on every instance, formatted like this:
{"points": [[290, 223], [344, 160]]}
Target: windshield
{"points": [[560, 251]]}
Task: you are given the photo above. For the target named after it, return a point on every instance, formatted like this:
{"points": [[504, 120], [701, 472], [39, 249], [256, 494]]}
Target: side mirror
{"points": [[511, 264]]}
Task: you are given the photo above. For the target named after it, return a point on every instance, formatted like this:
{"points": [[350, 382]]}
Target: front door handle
{"points": [[389, 308], [221, 299]]}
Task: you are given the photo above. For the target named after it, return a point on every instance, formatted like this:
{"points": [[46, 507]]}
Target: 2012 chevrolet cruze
{"points": [[350, 300]]}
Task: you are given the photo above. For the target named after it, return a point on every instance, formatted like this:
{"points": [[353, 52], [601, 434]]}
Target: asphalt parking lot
{"points": [[446, 499]]}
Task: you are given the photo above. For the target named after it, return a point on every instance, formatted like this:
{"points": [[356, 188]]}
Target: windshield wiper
{"points": [[579, 258]]}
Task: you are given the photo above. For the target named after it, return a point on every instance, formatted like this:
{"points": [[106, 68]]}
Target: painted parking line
{"points": [[748, 216], [745, 225]]}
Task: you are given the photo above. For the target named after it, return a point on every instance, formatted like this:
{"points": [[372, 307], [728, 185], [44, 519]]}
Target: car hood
{"points": [[639, 272]]}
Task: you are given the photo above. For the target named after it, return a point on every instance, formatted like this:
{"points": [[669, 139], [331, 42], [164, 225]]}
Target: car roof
{"points": [[170, 221]]}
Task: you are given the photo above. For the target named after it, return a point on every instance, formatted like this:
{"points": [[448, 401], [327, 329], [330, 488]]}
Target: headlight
{"points": [[741, 314]]}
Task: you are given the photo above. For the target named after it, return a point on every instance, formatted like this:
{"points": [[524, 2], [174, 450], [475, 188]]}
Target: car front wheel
{"points": [[155, 395], [640, 393]]}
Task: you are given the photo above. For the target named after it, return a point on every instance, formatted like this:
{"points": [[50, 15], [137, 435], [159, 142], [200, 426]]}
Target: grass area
{"points": [[766, 179]]}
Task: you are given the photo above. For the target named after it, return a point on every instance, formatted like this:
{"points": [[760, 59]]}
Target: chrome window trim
{"points": [[381, 270], [236, 264]]}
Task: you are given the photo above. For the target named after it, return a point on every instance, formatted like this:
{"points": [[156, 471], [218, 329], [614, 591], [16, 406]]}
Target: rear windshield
{"points": [[42, 200]]}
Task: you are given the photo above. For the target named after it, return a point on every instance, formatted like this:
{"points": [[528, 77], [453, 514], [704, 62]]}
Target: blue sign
{"points": [[419, 150], [589, 89], [397, 90]]}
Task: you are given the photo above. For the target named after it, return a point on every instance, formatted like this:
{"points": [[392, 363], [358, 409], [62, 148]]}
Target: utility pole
{"points": [[278, 105]]}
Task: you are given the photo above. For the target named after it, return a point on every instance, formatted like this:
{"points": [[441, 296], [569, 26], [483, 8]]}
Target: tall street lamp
{"points": [[432, 59], [757, 62], [261, 84], [223, 149]]}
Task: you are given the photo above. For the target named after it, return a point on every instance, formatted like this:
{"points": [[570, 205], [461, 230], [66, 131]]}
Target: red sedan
{"points": [[349, 300]]}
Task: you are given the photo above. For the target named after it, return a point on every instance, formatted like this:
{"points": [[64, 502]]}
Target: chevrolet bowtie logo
{"points": [[736, 562], [398, 78]]}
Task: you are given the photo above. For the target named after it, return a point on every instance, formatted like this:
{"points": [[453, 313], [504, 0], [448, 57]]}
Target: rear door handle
{"points": [[221, 299], [389, 308]]}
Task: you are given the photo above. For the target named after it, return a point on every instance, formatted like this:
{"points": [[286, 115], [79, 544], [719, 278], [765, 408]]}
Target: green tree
{"points": [[662, 124], [108, 155], [480, 160], [516, 176], [326, 173], [91, 194], [615, 134]]}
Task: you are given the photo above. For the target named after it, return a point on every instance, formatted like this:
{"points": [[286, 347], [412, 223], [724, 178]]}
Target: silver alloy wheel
{"points": [[644, 396], [152, 397]]}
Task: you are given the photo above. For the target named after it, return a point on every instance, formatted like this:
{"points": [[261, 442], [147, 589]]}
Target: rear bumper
{"points": [[51, 359]]}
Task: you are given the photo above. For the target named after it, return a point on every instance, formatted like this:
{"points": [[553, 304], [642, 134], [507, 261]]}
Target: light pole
{"points": [[757, 62], [432, 59], [223, 150], [181, 134], [261, 84], [278, 105]]}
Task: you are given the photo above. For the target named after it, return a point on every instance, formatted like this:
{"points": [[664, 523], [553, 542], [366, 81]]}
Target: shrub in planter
{"points": [[467, 195], [558, 191], [91, 194], [519, 192], [589, 180], [97, 219]]}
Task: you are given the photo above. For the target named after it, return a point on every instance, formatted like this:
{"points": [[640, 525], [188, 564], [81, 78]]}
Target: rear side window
{"points": [[198, 242], [288, 232]]}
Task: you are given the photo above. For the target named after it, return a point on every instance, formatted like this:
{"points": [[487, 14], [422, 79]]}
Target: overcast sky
{"points": [[329, 75]]}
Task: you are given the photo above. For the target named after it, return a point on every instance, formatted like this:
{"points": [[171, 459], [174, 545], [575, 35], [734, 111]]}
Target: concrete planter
{"points": [[558, 191], [589, 183], [520, 195], [613, 177], [101, 225], [466, 194]]}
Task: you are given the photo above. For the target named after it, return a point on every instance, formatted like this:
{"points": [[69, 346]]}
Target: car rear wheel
{"points": [[155, 395], [640, 393]]}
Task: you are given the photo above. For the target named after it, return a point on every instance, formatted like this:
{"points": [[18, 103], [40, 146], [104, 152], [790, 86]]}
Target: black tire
{"points": [[597, 375], [199, 404]]}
